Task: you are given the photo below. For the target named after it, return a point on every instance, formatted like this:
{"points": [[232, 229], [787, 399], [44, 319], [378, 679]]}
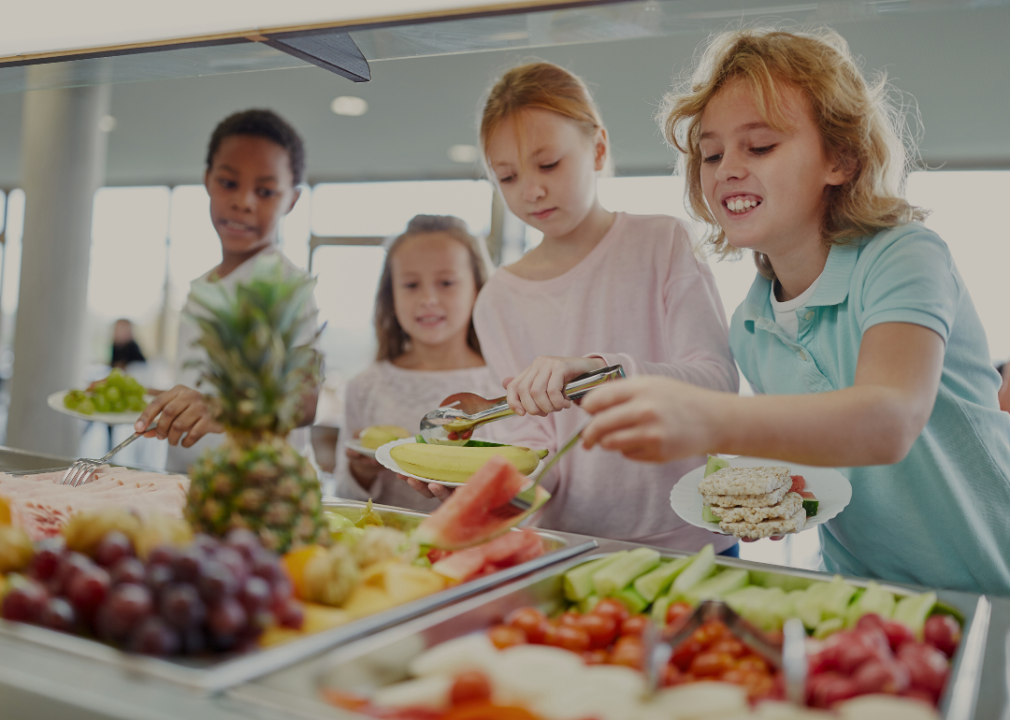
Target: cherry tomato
{"points": [[504, 636], [711, 664], [752, 663], [531, 621], [602, 629], [676, 611], [599, 656], [551, 633], [569, 618], [759, 685], [628, 651], [711, 632], [609, 606], [735, 676], [684, 653], [574, 638], [634, 625], [671, 676], [470, 686], [730, 646]]}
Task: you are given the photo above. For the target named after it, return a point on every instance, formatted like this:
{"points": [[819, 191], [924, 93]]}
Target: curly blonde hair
{"points": [[860, 126], [392, 338], [541, 85]]}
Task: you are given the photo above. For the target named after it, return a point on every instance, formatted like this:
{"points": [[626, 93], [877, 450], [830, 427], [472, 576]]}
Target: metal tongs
{"points": [[789, 655], [461, 414]]}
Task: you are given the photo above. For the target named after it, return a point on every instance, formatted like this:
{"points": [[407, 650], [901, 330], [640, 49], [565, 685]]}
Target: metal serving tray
{"points": [[383, 658], [209, 675]]}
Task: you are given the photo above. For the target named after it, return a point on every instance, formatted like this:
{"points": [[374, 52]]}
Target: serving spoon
{"points": [[459, 415]]}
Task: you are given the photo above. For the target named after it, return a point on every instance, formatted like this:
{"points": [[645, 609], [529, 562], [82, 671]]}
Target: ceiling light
{"points": [[349, 105], [463, 153], [107, 123]]}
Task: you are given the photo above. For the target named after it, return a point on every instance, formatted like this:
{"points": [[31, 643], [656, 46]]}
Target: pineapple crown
{"points": [[249, 335]]}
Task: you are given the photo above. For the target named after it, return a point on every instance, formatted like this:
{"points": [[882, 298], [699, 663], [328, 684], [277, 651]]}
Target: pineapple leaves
{"points": [[260, 376]]}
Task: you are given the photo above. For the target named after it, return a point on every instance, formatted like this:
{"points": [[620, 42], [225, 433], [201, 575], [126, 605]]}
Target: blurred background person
{"points": [[125, 349]]}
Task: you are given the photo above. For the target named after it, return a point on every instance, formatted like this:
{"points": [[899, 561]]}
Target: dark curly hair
{"points": [[266, 124]]}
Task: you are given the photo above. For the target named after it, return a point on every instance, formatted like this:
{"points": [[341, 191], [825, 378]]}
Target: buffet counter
{"points": [[43, 682]]}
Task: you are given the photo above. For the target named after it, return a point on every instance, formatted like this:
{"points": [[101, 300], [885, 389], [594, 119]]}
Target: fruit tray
{"points": [[217, 673], [382, 659]]}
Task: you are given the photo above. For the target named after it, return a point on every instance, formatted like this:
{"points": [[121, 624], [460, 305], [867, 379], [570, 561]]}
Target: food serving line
{"points": [[49, 675]]}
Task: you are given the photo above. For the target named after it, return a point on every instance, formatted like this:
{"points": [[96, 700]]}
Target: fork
{"points": [[524, 499], [83, 469]]}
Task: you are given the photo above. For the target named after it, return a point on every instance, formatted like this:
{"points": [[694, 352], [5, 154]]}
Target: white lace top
{"points": [[388, 395]]}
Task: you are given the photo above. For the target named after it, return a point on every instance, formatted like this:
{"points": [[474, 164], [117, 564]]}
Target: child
{"points": [[603, 288], [255, 163], [428, 348], [858, 326]]}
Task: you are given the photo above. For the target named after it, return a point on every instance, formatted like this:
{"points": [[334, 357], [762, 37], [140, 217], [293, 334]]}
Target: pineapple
{"points": [[255, 479]]}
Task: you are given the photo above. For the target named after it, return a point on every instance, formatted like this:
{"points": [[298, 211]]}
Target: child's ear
{"points": [[294, 199], [206, 179], [600, 149], [844, 169]]}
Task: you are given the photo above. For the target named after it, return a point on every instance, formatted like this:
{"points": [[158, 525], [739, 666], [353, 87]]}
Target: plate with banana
{"points": [[375, 436], [452, 465]]}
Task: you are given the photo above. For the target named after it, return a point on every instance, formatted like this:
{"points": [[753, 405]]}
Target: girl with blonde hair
{"points": [[427, 347], [603, 288], [858, 332]]}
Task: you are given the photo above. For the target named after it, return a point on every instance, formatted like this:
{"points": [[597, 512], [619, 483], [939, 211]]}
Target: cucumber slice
{"points": [[587, 605], [717, 586], [578, 582], [913, 611], [612, 578], [630, 598], [715, 464], [708, 516], [702, 565], [811, 507], [828, 627], [837, 596], [873, 600], [653, 584]]}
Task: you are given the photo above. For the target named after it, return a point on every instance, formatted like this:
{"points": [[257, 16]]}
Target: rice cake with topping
{"points": [[766, 528], [745, 481], [762, 501], [787, 508]]}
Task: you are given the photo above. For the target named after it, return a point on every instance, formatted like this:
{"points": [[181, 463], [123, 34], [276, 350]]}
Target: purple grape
{"points": [[188, 565], [234, 561], [87, 589], [25, 602], [194, 641], [46, 562], [112, 548], [266, 566], [290, 614], [182, 607], [205, 542], [127, 604], [226, 618], [70, 565], [255, 595], [128, 570], [59, 615], [162, 555], [217, 582], [283, 590], [158, 576], [153, 636], [245, 541]]}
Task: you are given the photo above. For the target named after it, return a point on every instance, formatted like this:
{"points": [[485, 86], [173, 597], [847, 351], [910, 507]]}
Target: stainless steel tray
{"points": [[383, 658], [216, 674]]}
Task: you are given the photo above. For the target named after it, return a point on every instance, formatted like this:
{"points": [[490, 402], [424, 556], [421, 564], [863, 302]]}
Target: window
{"points": [[11, 281]]}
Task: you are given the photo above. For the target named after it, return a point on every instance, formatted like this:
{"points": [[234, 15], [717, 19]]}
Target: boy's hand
{"points": [[184, 411], [540, 388], [428, 490], [363, 468], [1004, 391], [652, 419]]}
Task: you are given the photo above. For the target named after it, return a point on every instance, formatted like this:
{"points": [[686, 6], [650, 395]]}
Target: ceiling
{"points": [[950, 56]]}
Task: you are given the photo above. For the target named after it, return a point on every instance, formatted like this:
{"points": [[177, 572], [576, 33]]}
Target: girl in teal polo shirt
{"points": [[858, 333]]}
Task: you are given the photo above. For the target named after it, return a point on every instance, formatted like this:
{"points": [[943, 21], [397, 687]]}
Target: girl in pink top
{"points": [[603, 288]]}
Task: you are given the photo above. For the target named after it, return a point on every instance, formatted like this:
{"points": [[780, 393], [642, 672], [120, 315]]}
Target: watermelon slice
{"points": [[800, 486], [465, 519], [512, 548]]}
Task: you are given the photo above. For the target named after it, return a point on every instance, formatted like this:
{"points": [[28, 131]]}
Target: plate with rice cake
{"points": [[757, 498]]}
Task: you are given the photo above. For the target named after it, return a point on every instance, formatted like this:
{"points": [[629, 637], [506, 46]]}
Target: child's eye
{"points": [[762, 150], [550, 166], [506, 179], [227, 184], [712, 158], [266, 192], [448, 283]]}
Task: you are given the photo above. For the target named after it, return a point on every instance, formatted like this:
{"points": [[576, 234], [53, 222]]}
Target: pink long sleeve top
{"points": [[641, 299]]}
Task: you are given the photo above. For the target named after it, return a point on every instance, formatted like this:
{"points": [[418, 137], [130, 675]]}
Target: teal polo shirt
{"points": [[941, 516]]}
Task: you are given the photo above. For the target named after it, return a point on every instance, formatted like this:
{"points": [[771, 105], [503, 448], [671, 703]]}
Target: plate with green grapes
{"points": [[117, 400]]}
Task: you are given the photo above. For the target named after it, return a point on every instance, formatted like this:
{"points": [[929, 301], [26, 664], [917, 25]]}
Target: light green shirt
{"points": [[941, 516]]}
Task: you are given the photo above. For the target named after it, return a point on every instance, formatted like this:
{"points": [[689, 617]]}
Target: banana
{"points": [[376, 436], [451, 463]]}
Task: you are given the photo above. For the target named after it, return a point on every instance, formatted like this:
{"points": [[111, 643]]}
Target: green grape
{"points": [[133, 387], [113, 395], [101, 403], [119, 406], [86, 407], [136, 404], [71, 401]]}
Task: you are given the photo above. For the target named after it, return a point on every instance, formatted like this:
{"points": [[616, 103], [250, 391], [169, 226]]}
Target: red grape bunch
{"points": [[212, 595]]}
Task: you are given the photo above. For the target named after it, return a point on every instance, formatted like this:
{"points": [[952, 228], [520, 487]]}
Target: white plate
{"points": [[55, 401], [357, 447], [387, 461], [830, 487]]}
